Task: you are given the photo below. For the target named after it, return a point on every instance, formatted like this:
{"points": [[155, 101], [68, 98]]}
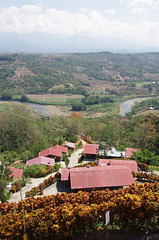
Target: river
{"points": [[125, 107], [51, 110]]}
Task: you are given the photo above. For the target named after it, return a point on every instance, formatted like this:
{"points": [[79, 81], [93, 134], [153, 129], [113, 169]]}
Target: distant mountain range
{"points": [[47, 43]]}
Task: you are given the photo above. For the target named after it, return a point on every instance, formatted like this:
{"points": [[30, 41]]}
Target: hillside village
{"points": [[94, 173], [77, 154]]}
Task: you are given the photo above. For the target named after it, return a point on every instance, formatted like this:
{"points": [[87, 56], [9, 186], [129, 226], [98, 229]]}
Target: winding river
{"points": [[51, 110], [125, 107]]}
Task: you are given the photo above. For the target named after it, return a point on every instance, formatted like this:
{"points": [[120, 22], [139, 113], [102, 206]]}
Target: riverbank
{"points": [[52, 110]]}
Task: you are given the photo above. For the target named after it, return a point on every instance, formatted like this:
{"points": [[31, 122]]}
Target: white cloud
{"points": [[140, 6], [31, 18], [110, 11], [138, 10]]}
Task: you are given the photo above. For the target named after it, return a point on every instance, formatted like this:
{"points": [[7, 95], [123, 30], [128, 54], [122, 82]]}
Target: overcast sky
{"points": [[117, 23]]}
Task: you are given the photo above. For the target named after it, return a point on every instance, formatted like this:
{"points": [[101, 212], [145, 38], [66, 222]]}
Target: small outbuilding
{"points": [[41, 160], [117, 162]]}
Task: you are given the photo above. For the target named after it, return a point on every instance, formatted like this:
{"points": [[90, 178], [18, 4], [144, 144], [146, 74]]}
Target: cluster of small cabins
{"points": [[110, 173]]}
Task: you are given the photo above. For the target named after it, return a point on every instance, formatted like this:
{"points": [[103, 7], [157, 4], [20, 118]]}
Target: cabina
{"points": [[70, 145], [41, 160], [61, 148], [51, 153], [100, 177], [115, 162], [90, 151], [16, 173]]}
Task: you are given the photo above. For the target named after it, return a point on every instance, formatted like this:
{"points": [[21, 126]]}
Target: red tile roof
{"points": [[41, 160], [60, 148], [98, 177], [91, 149], [115, 162], [16, 173], [129, 152], [51, 151]]}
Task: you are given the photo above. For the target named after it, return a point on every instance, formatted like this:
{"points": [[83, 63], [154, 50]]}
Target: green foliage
{"points": [[78, 107], [34, 170], [72, 73], [69, 152], [26, 155], [16, 132], [145, 105], [96, 100], [67, 161], [9, 157], [5, 177], [24, 98], [6, 96], [146, 156], [57, 167]]}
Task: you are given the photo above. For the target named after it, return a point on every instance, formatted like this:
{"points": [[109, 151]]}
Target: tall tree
{"points": [[4, 180]]}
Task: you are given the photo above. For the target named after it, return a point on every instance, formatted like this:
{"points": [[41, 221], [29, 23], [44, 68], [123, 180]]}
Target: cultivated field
{"points": [[54, 97]]}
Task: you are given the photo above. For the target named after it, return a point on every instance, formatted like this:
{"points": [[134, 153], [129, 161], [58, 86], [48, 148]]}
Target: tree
{"points": [[78, 107], [59, 140], [24, 98], [6, 96], [57, 167], [67, 161], [5, 177]]}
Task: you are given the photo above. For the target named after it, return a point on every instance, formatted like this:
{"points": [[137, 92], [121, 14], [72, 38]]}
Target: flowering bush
{"points": [[46, 183], [143, 176]]}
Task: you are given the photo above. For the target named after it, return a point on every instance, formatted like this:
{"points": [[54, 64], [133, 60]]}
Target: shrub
{"points": [[57, 167], [37, 170], [24, 98]]}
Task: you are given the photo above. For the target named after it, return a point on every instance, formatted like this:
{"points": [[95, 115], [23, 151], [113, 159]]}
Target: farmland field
{"points": [[57, 98]]}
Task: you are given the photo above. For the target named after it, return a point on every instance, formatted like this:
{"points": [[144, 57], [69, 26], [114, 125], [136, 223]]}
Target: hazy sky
{"points": [[129, 21]]}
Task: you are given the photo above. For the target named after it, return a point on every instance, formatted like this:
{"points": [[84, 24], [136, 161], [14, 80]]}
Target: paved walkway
{"points": [[53, 189]]}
